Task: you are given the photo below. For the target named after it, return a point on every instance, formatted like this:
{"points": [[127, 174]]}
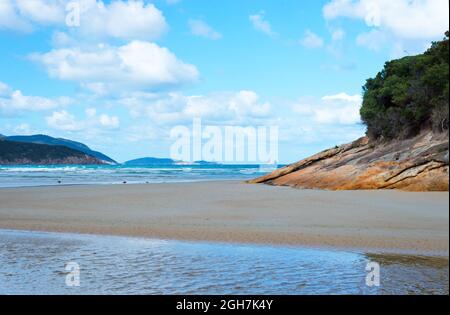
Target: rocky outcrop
{"points": [[416, 164], [19, 153]]}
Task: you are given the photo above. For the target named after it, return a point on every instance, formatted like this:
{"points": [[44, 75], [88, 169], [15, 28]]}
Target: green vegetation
{"points": [[43, 139], [409, 95], [30, 153]]}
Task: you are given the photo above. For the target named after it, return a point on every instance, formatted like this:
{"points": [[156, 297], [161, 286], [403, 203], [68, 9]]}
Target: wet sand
{"points": [[388, 221]]}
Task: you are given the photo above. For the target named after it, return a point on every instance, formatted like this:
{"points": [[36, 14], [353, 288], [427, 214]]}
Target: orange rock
{"points": [[417, 164]]}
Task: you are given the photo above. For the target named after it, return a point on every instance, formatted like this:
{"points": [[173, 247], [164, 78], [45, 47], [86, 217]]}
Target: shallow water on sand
{"points": [[34, 263]]}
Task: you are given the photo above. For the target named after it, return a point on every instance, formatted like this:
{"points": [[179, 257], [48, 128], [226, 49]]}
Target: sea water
{"points": [[23, 175], [35, 263]]}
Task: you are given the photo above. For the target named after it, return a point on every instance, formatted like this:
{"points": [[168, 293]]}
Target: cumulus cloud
{"points": [[405, 18], [137, 64], [62, 120], [316, 124], [342, 109], [311, 40], [65, 121], [41, 11], [120, 19], [14, 101], [222, 107], [410, 21], [201, 29], [22, 15], [11, 19], [260, 23]]}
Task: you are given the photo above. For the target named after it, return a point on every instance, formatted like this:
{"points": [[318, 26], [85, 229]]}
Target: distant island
{"points": [[149, 161], [406, 111], [152, 161], [46, 150]]}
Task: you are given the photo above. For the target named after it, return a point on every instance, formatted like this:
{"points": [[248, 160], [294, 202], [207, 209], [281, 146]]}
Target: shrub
{"points": [[409, 94]]}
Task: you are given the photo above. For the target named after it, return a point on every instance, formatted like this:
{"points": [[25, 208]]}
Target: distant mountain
{"points": [[43, 139], [148, 161], [17, 153]]}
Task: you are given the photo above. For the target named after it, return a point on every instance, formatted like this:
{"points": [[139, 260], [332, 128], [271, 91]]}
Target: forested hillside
{"points": [[409, 95]]}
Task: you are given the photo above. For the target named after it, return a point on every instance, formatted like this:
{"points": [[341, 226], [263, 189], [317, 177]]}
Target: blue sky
{"points": [[132, 70]]}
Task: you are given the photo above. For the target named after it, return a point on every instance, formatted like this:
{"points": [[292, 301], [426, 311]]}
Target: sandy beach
{"points": [[229, 211]]}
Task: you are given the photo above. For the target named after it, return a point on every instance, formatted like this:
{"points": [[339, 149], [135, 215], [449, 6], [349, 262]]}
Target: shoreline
{"points": [[121, 183], [213, 180], [234, 212]]}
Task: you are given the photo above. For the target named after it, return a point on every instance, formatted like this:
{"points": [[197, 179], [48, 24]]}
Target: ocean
{"points": [[20, 176], [35, 263]]}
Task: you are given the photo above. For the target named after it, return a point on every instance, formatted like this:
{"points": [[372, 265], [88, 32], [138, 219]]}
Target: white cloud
{"points": [[311, 40], [14, 101], [42, 11], [405, 18], [100, 68], [410, 23], [21, 15], [200, 28], [222, 107], [109, 121], [342, 109], [10, 18], [65, 121], [131, 19], [261, 24], [62, 120], [246, 103], [319, 123], [120, 19]]}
